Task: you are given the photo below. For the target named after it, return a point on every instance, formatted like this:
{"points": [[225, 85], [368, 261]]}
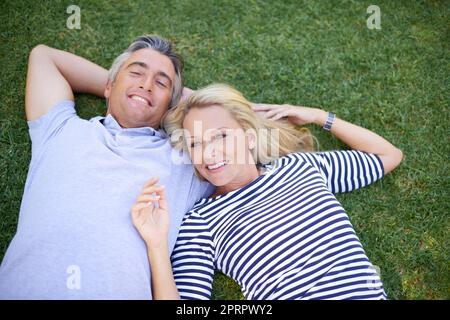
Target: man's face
{"points": [[141, 92]]}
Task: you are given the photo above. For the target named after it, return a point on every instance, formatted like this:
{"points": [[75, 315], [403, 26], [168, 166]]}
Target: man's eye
{"points": [[162, 84], [135, 73]]}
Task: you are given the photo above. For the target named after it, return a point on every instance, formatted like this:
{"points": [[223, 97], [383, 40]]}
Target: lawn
{"points": [[395, 81]]}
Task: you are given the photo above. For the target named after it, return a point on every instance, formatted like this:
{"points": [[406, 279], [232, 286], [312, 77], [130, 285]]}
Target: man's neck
{"points": [[126, 126]]}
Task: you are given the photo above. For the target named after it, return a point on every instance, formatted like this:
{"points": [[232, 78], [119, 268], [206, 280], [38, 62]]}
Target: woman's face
{"points": [[218, 146]]}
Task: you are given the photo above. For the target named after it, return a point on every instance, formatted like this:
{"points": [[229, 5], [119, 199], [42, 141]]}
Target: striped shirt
{"points": [[284, 235]]}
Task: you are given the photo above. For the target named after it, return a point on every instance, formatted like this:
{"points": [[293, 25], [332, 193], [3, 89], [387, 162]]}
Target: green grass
{"points": [[394, 81]]}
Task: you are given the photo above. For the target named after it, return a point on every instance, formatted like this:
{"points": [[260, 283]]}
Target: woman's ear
{"points": [[251, 138]]}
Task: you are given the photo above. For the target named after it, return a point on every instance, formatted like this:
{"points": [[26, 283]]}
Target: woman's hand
{"points": [[150, 214], [186, 93], [296, 115], [151, 218]]}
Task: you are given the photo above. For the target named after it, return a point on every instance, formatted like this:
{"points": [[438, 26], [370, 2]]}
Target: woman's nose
{"points": [[209, 151]]}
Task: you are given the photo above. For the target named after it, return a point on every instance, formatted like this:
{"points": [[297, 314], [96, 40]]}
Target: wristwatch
{"points": [[330, 120]]}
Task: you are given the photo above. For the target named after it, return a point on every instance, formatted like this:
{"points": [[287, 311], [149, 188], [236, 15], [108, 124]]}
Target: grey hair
{"points": [[160, 45]]}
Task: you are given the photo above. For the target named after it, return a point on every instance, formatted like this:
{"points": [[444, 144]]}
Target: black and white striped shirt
{"points": [[284, 235]]}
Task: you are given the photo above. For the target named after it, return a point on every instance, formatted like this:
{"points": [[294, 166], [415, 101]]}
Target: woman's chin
{"points": [[216, 181]]}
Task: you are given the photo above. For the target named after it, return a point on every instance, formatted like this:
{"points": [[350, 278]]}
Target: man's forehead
{"points": [[153, 60]]}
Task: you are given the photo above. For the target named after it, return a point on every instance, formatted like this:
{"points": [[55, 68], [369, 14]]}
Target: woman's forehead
{"points": [[209, 118]]}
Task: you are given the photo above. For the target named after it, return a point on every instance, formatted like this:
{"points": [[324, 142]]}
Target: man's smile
{"points": [[140, 100]]}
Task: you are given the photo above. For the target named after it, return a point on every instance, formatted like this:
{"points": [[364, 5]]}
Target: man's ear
{"points": [[107, 92]]}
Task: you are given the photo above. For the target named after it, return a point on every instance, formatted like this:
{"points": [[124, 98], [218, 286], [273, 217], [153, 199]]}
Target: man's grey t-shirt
{"points": [[75, 238]]}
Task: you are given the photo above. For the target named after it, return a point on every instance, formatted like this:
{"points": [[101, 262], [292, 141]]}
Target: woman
{"points": [[277, 230]]}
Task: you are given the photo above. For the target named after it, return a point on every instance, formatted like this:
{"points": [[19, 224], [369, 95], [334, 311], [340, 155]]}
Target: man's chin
{"points": [[134, 118]]}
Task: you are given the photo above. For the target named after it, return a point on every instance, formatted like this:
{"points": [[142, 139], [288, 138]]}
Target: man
{"points": [[75, 238]]}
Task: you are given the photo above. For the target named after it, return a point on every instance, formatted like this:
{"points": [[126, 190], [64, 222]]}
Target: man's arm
{"points": [[53, 76]]}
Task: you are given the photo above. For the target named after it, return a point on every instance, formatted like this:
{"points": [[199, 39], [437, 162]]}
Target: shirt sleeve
{"points": [[200, 189], [48, 125], [193, 259], [345, 171]]}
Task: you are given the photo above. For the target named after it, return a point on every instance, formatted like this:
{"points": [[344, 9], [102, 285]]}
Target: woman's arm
{"points": [[359, 138], [186, 93], [163, 283], [151, 218], [354, 136]]}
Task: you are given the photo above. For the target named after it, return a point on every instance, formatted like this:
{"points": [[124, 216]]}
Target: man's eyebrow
{"points": [[137, 63], [165, 75], [144, 65]]}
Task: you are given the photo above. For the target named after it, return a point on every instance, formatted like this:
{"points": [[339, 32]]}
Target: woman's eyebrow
{"points": [[216, 129]]}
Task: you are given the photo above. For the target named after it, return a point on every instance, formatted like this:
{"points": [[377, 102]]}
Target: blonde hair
{"points": [[288, 138]]}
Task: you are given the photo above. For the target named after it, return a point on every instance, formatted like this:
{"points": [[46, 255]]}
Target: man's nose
{"points": [[147, 84]]}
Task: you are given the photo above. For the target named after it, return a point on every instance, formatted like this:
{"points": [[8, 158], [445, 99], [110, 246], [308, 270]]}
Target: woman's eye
{"points": [[135, 73], [161, 84], [220, 136]]}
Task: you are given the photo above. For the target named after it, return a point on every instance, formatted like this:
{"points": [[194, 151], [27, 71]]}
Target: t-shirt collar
{"points": [[114, 127]]}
